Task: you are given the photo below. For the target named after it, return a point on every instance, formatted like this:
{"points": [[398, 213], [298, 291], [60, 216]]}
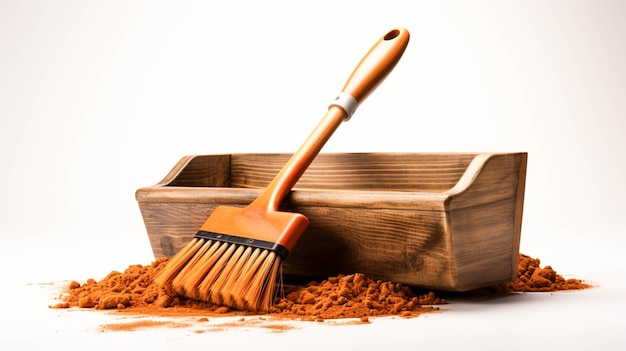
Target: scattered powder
{"points": [[344, 296], [134, 291], [531, 277], [143, 324], [352, 296]]}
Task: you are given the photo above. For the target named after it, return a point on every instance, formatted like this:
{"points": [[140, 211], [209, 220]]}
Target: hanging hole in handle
{"points": [[393, 34]]}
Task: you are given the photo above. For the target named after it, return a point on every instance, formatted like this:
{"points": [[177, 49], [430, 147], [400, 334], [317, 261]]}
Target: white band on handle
{"points": [[347, 102]]}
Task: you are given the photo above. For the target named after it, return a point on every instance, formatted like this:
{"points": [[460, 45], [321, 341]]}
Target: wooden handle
{"points": [[377, 64], [368, 74]]}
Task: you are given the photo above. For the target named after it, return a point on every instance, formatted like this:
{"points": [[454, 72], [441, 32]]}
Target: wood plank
{"points": [[434, 172]]}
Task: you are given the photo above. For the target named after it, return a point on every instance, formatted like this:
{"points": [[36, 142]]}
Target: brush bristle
{"points": [[232, 275]]}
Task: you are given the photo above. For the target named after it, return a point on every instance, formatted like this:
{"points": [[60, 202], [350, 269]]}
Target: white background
{"points": [[100, 98]]}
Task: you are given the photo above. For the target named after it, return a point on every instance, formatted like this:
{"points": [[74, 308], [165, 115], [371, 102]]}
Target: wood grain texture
{"points": [[357, 171], [441, 221]]}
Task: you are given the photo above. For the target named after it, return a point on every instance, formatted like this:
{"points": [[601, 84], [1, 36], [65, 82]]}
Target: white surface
{"points": [[98, 99]]}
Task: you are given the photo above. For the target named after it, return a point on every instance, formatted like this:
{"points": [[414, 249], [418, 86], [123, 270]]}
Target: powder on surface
{"points": [[531, 277], [344, 296], [134, 291], [143, 324], [352, 296]]}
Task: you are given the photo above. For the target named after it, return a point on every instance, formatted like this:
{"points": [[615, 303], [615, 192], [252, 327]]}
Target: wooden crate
{"points": [[445, 221]]}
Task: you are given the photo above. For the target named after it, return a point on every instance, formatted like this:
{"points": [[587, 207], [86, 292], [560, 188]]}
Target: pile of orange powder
{"points": [[343, 296]]}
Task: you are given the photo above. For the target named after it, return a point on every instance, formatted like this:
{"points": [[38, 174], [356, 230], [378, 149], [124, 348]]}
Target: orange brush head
{"points": [[235, 258]]}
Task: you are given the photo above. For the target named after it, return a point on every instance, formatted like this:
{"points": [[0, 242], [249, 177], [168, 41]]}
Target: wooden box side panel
{"points": [[484, 245], [486, 223], [407, 172], [171, 226], [202, 171], [404, 246]]}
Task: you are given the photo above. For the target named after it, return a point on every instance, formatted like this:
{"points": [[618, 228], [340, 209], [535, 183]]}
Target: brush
{"points": [[235, 259]]}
